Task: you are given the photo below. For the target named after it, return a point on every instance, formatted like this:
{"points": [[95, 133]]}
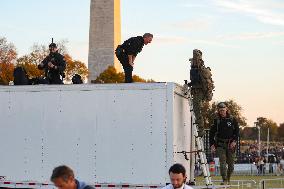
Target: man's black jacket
{"points": [[56, 59], [224, 128], [133, 45]]}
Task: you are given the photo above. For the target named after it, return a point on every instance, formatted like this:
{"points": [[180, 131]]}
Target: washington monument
{"points": [[104, 36]]}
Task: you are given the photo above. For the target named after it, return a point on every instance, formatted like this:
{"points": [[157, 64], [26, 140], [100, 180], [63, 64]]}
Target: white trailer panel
{"points": [[108, 133]]}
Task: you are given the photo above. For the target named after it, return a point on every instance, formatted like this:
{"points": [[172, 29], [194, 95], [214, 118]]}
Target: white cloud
{"points": [[261, 12], [255, 35], [170, 39], [212, 43], [183, 40], [272, 4], [197, 24], [193, 5]]}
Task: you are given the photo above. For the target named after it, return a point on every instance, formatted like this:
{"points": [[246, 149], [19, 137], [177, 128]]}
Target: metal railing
{"points": [[251, 169], [271, 183], [236, 184]]}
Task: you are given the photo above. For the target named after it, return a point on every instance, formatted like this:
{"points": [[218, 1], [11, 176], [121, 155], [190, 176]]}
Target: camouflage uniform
{"points": [[201, 87], [226, 157], [197, 104], [222, 133]]}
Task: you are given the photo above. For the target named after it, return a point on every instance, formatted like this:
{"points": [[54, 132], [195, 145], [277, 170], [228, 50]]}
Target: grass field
{"points": [[246, 182]]}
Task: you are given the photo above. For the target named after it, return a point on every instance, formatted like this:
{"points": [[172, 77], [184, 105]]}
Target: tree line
{"points": [[9, 60], [276, 132]]}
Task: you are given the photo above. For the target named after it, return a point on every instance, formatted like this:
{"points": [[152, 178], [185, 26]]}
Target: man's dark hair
{"points": [[63, 172], [148, 35], [177, 169]]}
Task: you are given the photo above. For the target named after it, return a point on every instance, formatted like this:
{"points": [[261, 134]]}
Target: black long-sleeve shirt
{"points": [[53, 74], [133, 45], [228, 128], [55, 58]]}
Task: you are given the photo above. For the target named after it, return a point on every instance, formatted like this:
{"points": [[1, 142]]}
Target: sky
{"points": [[242, 42]]}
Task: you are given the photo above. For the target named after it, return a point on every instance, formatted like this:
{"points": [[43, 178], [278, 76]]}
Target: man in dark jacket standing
{"points": [[54, 65], [127, 52], [223, 139]]}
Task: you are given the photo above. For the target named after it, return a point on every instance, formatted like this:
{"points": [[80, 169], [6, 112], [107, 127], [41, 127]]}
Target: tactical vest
{"points": [[218, 124]]}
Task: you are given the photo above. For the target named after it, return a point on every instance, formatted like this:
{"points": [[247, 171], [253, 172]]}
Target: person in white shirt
{"points": [[177, 175]]}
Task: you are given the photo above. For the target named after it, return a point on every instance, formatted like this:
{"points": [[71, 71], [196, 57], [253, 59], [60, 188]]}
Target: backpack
{"points": [[206, 82], [20, 76], [77, 79]]}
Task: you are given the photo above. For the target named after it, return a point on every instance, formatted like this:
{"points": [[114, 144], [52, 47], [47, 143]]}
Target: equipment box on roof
{"points": [[108, 133]]}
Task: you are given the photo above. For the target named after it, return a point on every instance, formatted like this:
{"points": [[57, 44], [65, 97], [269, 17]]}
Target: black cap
{"points": [[52, 45], [221, 105]]}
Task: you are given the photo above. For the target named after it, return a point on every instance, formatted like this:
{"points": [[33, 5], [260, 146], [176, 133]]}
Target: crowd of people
{"points": [[269, 160], [250, 152]]}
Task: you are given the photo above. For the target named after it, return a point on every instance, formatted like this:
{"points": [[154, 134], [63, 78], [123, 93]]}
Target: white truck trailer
{"points": [[112, 134]]}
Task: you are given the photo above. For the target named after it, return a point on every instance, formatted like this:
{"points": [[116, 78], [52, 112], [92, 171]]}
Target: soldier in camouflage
{"points": [[223, 139], [201, 87]]}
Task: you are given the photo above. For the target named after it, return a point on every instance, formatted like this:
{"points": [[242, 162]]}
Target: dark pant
{"points": [[54, 79], [123, 59]]}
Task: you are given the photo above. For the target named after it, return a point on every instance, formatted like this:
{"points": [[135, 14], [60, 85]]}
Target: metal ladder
{"points": [[198, 147]]}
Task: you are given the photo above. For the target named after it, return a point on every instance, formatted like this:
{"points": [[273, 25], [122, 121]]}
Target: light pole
{"points": [[258, 127], [267, 141]]}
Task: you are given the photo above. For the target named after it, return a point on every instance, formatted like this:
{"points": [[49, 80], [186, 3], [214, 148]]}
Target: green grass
{"points": [[248, 181]]}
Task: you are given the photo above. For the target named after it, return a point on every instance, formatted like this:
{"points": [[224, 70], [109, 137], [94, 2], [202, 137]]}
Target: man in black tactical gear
{"points": [[224, 134], [54, 65], [127, 52]]}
